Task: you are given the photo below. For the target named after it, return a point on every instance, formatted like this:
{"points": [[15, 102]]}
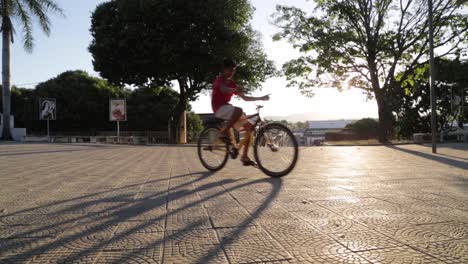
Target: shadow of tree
{"points": [[118, 207], [433, 157]]}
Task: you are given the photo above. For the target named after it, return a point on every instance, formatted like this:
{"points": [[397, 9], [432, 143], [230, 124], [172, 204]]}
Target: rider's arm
{"points": [[244, 97]]}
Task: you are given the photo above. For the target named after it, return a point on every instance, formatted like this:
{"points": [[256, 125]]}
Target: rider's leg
{"points": [[236, 114], [248, 135]]}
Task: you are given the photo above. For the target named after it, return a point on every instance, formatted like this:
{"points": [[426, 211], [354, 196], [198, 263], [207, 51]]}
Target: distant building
{"points": [[315, 134]]}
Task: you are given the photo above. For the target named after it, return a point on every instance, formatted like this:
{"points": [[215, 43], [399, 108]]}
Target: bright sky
{"points": [[67, 49]]}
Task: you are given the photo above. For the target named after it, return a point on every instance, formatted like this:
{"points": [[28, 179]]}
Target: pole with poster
{"points": [[118, 113], [47, 111]]}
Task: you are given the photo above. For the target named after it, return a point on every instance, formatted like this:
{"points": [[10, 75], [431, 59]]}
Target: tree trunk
{"points": [[384, 117], [183, 128], [178, 114], [6, 64]]}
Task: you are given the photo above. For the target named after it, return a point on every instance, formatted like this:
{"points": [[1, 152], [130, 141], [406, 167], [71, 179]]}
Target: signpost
{"points": [[432, 78], [118, 112], [47, 111]]}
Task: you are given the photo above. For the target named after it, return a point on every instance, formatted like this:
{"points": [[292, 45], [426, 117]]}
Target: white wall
{"points": [[18, 134]]}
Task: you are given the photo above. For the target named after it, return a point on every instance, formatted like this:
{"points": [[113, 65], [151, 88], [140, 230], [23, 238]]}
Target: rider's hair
{"points": [[229, 63]]}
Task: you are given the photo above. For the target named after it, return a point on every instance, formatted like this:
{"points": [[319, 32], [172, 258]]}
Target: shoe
{"points": [[249, 163], [233, 152]]}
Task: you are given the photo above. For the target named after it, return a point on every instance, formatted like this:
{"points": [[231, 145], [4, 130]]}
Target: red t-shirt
{"points": [[219, 98]]}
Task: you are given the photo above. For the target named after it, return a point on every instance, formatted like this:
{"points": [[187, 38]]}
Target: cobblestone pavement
{"points": [[157, 204]]}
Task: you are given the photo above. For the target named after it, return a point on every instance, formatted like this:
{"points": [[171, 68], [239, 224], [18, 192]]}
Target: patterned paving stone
{"points": [[290, 234], [335, 225], [454, 251], [16, 258], [414, 234], [322, 249], [398, 255], [193, 236], [64, 258], [128, 257], [10, 230], [456, 230], [151, 226], [195, 218], [37, 231], [133, 241], [379, 221], [159, 205], [251, 245], [176, 252], [450, 214], [365, 240], [339, 204], [314, 213], [16, 247], [372, 210], [238, 216], [22, 219]]}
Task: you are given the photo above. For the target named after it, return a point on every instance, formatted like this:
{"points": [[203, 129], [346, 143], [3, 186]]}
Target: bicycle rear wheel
{"points": [[213, 152], [276, 150]]}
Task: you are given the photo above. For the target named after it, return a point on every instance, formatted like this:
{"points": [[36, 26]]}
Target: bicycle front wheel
{"points": [[276, 150], [212, 151]]}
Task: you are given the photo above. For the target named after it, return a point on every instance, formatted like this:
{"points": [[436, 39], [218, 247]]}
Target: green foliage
{"points": [[153, 43], [412, 103], [146, 41], [194, 126], [82, 100], [150, 108], [21, 99], [363, 44], [83, 105], [365, 126]]}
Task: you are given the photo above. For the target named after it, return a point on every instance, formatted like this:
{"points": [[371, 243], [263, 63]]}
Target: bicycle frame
{"points": [[242, 143]]}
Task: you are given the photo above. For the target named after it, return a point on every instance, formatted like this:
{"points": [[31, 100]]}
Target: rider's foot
{"points": [[246, 161]]}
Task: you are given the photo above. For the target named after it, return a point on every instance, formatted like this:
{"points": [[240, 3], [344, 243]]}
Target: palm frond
{"points": [[25, 20], [37, 8], [51, 6]]}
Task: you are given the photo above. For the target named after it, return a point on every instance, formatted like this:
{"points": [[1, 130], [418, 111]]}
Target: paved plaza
{"points": [[63, 203]]}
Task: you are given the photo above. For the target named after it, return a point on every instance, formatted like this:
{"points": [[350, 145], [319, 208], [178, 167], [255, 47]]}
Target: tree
{"points": [[82, 100], [413, 113], [149, 42], [149, 108], [364, 127], [364, 44], [25, 12], [21, 99]]}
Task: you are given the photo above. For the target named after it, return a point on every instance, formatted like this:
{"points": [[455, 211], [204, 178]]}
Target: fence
{"points": [[126, 137]]}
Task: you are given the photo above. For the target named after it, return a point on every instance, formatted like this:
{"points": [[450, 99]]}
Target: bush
{"points": [[194, 126], [364, 128]]}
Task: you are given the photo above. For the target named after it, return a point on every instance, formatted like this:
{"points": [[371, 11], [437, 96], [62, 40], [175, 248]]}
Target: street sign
{"points": [[47, 109], [117, 110]]}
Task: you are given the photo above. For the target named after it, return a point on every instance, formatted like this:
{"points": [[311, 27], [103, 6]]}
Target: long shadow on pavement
{"points": [[32, 243], [437, 158]]}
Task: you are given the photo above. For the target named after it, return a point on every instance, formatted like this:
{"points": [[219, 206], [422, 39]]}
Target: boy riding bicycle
{"points": [[224, 88]]}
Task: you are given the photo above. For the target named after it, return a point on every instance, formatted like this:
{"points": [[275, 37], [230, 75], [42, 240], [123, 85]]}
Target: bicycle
{"points": [[275, 147]]}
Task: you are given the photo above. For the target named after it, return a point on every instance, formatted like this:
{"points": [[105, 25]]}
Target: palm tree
{"points": [[24, 11]]}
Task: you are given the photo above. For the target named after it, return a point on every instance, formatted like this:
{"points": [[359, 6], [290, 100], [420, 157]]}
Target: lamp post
{"points": [[432, 79]]}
